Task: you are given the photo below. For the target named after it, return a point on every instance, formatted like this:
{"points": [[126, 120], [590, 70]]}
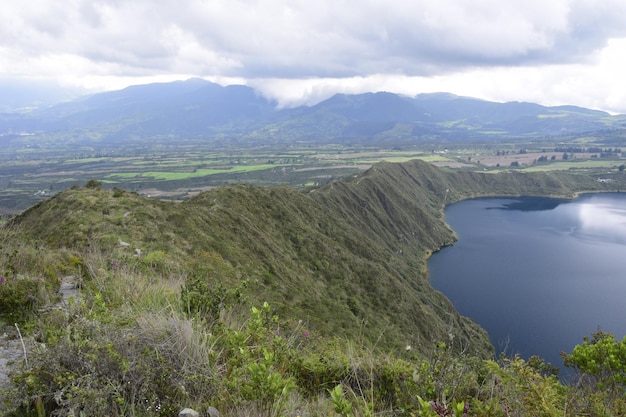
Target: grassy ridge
{"points": [[349, 258], [285, 246], [168, 313]]}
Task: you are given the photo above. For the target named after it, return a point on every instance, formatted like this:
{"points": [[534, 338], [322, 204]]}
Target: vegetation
{"points": [[175, 140], [270, 302]]}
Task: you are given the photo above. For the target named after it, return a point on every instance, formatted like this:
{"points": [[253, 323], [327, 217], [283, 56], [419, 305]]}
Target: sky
{"points": [[298, 52]]}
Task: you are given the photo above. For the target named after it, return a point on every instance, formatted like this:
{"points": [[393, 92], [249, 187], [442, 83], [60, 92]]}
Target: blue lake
{"points": [[538, 274]]}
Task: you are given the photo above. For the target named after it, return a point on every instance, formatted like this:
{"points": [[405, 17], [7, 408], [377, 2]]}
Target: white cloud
{"points": [[301, 51]]}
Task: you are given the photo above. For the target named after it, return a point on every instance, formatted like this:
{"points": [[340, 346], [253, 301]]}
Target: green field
{"points": [[183, 175], [30, 174]]}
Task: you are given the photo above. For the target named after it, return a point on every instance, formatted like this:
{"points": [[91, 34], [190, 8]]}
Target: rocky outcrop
{"points": [[188, 412], [11, 355]]}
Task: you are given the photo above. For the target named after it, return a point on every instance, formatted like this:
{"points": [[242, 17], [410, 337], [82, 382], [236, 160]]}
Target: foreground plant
{"points": [[600, 365]]}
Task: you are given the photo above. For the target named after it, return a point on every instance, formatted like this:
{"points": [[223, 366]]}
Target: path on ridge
{"points": [[11, 348]]}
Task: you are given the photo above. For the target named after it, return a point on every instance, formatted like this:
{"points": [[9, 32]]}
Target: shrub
{"points": [[90, 368], [93, 184], [602, 360], [600, 364], [20, 296], [522, 390], [158, 261], [213, 286]]}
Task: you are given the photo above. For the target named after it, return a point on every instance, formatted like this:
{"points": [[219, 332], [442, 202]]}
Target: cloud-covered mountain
{"points": [[200, 109]]}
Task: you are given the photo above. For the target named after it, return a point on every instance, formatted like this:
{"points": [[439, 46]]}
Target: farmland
{"points": [[176, 140], [29, 174]]}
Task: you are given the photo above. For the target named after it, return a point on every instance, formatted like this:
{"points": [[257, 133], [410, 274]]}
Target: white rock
{"points": [[188, 412]]}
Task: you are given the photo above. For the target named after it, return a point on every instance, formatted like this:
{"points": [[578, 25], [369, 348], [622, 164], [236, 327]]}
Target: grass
{"points": [[400, 159], [432, 158], [129, 346], [196, 173], [183, 324], [588, 164], [195, 165]]}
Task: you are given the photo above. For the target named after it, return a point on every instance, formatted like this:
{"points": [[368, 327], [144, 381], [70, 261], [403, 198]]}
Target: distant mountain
{"points": [[197, 108], [192, 107]]}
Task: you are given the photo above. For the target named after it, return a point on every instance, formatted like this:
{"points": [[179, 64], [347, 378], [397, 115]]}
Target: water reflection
{"points": [[537, 274], [533, 204], [599, 219]]}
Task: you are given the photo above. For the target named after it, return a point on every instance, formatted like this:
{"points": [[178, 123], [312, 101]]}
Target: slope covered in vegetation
{"points": [[341, 263]]}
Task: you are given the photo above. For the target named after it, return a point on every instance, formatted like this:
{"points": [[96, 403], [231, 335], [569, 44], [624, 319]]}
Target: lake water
{"points": [[538, 274]]}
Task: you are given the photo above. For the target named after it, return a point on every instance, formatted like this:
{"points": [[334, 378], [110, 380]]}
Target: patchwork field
{"points": [[31, 174]]}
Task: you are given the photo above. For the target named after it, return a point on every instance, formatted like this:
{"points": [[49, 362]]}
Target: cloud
{"points": [[302, 39], [316, 46]]}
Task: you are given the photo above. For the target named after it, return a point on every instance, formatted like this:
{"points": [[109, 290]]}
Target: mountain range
{"points": [[165, 314], [197, 108]]}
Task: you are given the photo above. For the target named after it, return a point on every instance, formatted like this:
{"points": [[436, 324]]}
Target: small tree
{"points": [[601, 366], [601, 361]]}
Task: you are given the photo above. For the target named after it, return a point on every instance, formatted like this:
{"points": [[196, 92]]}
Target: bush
{"points": [[90, 368], [213, 286], [20, 296], [602, 360], [158, 260], [93, 184], [600, 364]]}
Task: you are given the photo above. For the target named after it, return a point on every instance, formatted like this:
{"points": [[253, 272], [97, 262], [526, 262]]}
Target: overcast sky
{"points": [[302, 51]]}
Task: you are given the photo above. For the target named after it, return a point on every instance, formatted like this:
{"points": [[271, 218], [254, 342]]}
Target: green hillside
{"points": [[348, 258], [342, 272], [345, 262]]}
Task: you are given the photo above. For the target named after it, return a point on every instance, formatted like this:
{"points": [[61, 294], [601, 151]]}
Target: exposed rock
{"points": [[212, 412], [68, 289], [11, 354], [188, 412]]}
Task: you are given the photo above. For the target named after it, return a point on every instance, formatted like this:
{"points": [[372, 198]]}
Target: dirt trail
{"points": [[11, 354], [11, 348]]}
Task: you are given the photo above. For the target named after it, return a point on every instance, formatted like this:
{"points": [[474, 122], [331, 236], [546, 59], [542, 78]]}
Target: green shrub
{"points": [[93, 184], [90, 368], [158, 261], [600, 364], [20, 296], [602, 359], [213, 286], [525, 391], [341, 405]]}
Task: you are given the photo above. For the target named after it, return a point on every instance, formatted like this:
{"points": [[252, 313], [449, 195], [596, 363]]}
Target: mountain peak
{"points": [[197, 108]]}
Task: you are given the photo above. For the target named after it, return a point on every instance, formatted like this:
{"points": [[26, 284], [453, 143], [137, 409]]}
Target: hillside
{"points": [[197, 109], [286, 246], [348, 258], [245, 297]]}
